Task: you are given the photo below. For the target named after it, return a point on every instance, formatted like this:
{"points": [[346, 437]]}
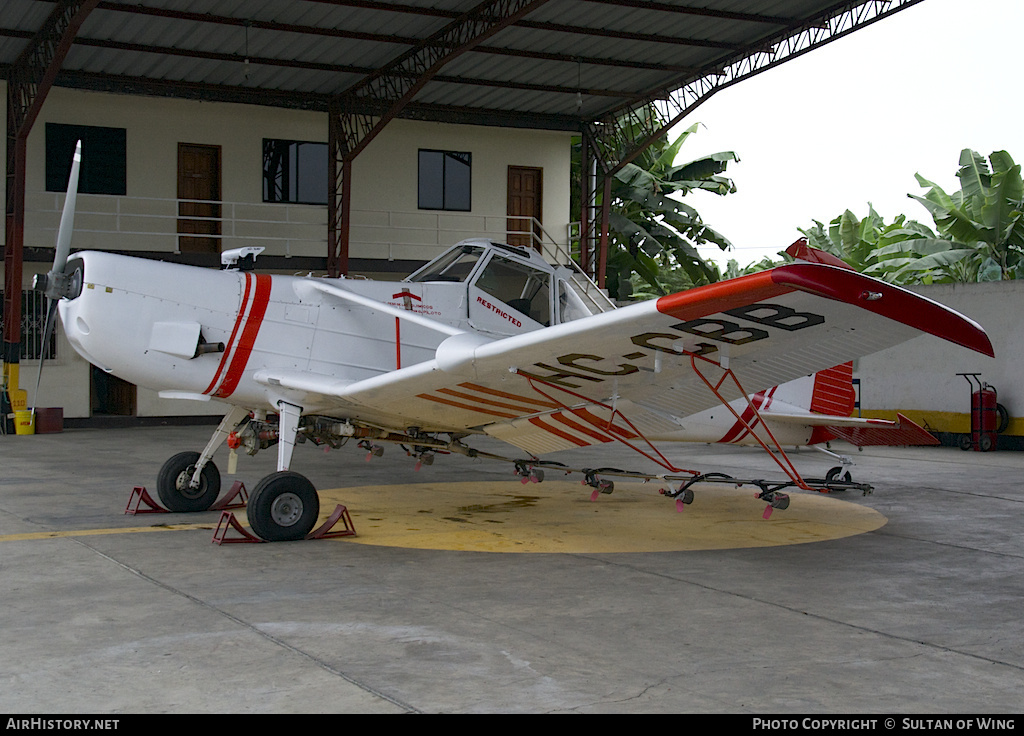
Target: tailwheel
{"points": [[837, 473], [283, 507], [174, 483]]}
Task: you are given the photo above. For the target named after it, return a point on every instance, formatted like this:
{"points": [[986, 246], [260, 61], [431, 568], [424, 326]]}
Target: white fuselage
{"points": [[136, 319]]}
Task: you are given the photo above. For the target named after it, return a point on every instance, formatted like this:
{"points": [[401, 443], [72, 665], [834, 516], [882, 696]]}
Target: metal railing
{"points": [[153, 224], [33, 324]]}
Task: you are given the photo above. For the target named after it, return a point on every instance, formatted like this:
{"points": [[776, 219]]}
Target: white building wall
{"points": [[386, 221], [920, 377]]}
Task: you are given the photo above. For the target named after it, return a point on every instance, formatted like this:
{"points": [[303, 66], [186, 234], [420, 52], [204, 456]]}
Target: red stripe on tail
{"points": [[833, 391]]}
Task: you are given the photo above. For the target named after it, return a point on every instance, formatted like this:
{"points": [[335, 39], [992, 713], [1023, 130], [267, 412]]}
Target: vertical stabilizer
{"points": [[833, 391]]}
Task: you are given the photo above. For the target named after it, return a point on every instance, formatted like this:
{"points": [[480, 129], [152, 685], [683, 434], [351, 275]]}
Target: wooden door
{"points": [[198, 179], [525, 185]]}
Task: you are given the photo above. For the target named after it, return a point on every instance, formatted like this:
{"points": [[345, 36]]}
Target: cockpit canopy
{"points": [[512, 287]]}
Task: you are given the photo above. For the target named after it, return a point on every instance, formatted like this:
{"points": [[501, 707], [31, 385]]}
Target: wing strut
{"points": [[787, 467], [655, 455]]}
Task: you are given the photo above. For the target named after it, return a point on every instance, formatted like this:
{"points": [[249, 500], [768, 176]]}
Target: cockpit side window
{"points": [[525, 289], [455, 266]]}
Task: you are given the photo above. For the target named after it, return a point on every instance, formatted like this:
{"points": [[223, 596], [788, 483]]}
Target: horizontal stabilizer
{"points": [[880, 432]]}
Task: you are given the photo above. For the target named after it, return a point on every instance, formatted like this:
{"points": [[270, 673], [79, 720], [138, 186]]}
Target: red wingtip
{"points": [[887, 300]]}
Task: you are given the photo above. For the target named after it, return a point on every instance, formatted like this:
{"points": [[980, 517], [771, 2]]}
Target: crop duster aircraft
{"points": [[487, 339]]}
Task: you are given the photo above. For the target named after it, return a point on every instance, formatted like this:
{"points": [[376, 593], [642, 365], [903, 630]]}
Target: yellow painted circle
{"points": [[558, 516]]}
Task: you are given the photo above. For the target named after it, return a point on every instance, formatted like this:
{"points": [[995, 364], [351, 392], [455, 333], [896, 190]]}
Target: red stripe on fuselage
{"points": [[234, 332], [260, 300], [739, 429]]}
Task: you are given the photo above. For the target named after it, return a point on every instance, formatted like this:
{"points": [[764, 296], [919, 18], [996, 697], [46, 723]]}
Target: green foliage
{"points": [[732, 268], [652, 233], [674, 279], [872, 246], [981, 226], [671, 278], [978, 236]]}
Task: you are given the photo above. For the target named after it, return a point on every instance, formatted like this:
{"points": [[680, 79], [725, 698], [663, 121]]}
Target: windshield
{"points": [[454, 266]]}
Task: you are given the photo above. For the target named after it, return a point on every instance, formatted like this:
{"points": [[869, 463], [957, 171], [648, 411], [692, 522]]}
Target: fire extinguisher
{"points": [[988, 416], [983, 418]]}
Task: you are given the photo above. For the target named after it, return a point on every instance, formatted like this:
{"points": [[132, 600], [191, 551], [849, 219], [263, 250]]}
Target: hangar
{"points": [[920, 616], [347, 136]]}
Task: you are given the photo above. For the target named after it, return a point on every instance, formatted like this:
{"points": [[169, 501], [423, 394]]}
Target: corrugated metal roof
{"points": [[566, 59]]}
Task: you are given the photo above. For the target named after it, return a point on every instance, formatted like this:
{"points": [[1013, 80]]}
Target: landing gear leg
{"points": [[289, 416], [284, 506], [227, 425], [189, 481]]}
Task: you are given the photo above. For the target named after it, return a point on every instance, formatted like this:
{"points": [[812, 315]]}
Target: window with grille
{"points": [[33, 324]]}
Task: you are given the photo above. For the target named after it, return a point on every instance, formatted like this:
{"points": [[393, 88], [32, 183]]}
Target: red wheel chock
{"points": [[140, 496], [227, 522], [324, 532], [237, 489]]}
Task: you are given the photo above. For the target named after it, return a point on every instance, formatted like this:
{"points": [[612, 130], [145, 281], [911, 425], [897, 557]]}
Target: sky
{"points": [[852, 122]]}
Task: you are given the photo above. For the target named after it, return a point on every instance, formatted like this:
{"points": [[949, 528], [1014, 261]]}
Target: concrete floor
{"points": [[108, 613]]}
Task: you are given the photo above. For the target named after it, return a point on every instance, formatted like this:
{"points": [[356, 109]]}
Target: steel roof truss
{"points": [[394, 85], [624, 133]]}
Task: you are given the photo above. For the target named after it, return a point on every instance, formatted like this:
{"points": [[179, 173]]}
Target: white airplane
{"points": [[486, 339]]}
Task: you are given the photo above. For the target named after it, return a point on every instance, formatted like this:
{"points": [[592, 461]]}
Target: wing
{"points": [[635, 371]]}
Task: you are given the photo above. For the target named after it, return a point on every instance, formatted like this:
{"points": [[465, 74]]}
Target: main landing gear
{"points": [[284, 506]]}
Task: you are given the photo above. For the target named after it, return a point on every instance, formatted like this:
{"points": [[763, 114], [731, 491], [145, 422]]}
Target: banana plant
{"points": [[981, 227], [978, 236], [651, 230]]}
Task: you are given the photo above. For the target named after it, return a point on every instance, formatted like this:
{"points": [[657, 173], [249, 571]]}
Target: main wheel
{"points": [[172, 483], [283, 507]]}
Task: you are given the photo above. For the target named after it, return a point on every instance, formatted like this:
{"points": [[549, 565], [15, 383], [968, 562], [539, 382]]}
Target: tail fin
{"points": [[833, 391], [803, 252]]}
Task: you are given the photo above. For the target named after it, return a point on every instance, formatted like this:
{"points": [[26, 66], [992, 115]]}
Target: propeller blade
{"points": [[51, 322], [54, 282], [67, 217]]}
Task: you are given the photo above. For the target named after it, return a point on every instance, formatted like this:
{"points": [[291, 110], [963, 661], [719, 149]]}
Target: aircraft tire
{"points": [[837, 473], [172, 484], [283, 507], [1002, 419]]}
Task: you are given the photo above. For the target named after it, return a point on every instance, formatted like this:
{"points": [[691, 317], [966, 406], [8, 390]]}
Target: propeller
{"points": [[56, 283]]}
